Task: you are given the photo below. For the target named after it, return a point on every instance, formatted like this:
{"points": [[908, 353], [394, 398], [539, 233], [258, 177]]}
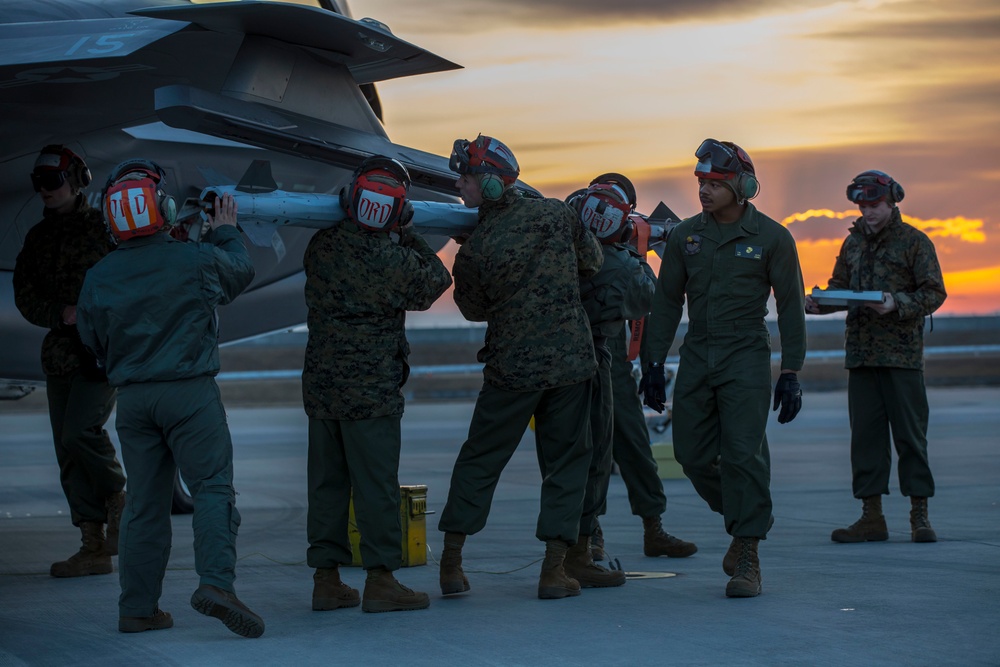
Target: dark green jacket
{"points": [[727, 273], [359, 286], [901, 260], [520, 272], [622, 289], [148, 309], [48, 276]]}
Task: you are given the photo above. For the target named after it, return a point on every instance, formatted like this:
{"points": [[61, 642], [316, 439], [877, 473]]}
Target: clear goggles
{"points": [[47, 179]]}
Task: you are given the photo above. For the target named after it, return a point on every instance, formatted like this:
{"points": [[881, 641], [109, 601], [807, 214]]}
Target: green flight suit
{"points": [[520, 272], [359, 285], [722, 393], [621, 290], [631, 450], [48, 275], [884, 354], [147, 310]]}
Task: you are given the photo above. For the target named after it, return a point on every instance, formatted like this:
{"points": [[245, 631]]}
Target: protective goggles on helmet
{"points": [[871, 187], [716, 160], [47, 179]]}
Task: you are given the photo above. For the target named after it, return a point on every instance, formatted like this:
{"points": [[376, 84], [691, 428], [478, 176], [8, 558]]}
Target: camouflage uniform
{"points": [[622, 289], [520, 271], [722, 393], [885, 353], [148, 311], [359, 286], [47, 277]]}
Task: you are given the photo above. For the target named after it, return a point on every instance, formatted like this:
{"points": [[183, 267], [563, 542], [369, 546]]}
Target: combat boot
{"points": [[160, 620], [746, 576], [597, 544], [580, 565], [384, 593], [656, 542], [329, 592], [729, 560], [225, 606], [92, 558], [869, 528], [920, 525], [453, 579], [114, 504], [553, 583]]}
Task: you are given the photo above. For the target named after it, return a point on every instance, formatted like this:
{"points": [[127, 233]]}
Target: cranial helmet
{"points": [[134, 201], [725, 161], [376, 198], [57, 164], [605, 206], [490, 160], [872, 186]]}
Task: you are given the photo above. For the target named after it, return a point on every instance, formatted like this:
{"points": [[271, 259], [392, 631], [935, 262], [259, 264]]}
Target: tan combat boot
{"points": [[869, 528], [114, 505], [579, 564], [553, 583], [657, 542], [746, 576], [729, 560], [329, 592], [92, 558], [453, 579], [920, 525], [384, 593]]}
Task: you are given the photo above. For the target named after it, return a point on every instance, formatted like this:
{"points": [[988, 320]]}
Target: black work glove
{"points": [[788, 394], [653, 387]]}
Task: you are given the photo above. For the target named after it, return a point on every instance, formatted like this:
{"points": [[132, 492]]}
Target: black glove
{"points": [[653, 387], [788, 394]]}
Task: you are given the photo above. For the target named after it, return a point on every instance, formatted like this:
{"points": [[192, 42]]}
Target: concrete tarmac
{"points": [[889, 603]]}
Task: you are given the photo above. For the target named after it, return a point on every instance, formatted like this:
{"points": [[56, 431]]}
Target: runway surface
{"points": [[890, 603]]}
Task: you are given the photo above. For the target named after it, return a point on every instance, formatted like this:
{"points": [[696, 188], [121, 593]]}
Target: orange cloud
{"points": [[965, 229]]}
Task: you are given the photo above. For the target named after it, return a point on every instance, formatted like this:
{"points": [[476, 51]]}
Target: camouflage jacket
{"points": [[148, 309], [48, 276], [727, 273], [520, 272], [359, 286], [622, 289], [901, 260]]}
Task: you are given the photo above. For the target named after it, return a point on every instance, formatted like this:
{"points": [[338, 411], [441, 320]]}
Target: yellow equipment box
{"points": [[412, 519], [666, 464]]}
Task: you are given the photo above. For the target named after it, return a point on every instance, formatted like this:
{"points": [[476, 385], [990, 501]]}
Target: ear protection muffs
{"points": [[127, 191], [491, 186], [747, 186], [376, 198]]}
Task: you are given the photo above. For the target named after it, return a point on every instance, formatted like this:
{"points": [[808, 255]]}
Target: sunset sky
{"points": [[815, 91]]}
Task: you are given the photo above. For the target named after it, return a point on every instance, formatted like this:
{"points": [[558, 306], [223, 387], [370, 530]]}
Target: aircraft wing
{"points": [[368, 49]]}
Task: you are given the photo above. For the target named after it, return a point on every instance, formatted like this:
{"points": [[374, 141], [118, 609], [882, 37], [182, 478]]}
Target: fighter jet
{"points": [[204, 90]]}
